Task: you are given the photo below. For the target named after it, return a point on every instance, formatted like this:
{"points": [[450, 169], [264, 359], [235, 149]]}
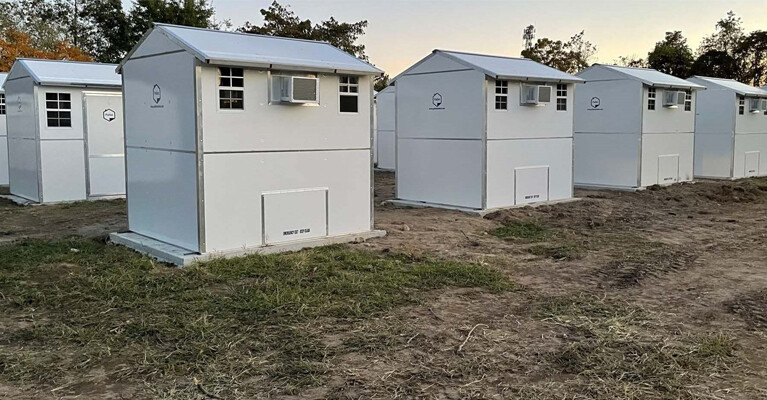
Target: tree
{"points": [[752, 58], [280, 21], [672, 55], [196, 13], [381, 83], [105, 30], [715, 63], [16, 44], [631, 61], [726, 38], [571, 56]]}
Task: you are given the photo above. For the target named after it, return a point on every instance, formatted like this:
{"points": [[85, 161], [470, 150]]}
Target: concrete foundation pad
{"points": [[471, 211], [182, 257]]}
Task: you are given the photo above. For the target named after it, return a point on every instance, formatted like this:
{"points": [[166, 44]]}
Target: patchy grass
{"points": [[609, 351], [531, 231], [74, 310]]}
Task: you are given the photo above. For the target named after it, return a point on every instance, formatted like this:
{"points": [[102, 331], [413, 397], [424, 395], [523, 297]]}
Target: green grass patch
{"points": [[521, 230], [74, 305]]}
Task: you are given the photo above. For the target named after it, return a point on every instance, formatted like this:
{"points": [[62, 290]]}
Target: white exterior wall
{"points": [[528, 136], [161, 160], [385, 131], [750, 144], [289, 149], [666, 132], [607, 133], [440, 148]]}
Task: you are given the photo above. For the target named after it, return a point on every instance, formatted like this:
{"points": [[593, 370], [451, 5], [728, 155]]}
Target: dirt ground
{"points": [[658, 294]]}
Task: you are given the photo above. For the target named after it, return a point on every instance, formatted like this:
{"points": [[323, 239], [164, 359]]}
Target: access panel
{"points": [[293, 215], [531, 184], [668, 169]]}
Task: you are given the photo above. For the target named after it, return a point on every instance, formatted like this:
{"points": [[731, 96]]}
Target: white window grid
{"points": [[741, 105], [58, 110], [2, 104], [231, 88], [348, 86], [501, 95], [688, 100], [561, 97], [651, 99]]}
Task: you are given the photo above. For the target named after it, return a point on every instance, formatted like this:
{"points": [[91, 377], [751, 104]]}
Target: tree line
{"points": [[729, 52]]}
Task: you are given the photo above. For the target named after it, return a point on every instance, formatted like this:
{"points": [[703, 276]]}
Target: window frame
{"points": [[741, 105], [688, 100], [58, 101], [651, 98], [561, 94], [349, 85], [230, 88], [501, 95], [3, 108]]}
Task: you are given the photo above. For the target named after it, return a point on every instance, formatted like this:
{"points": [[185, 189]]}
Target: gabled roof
{"points": [[272, 52], [3, 75], [738, 87], [68, 73], [499, 67], [648, 76]]}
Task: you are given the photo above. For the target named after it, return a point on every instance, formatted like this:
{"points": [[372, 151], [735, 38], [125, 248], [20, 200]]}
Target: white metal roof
{"points": [[273, 52], [738, 87], [511, 68], [3, 75], [500, 67], [70, 73], [651, 77]]}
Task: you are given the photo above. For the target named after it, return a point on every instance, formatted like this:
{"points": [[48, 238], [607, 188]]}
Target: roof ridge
{"points": [[66, 61], [484, 55]]}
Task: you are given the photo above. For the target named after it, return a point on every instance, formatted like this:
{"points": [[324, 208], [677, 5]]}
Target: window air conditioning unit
{"points": [[295, 89], [535, 94], [673, 98], [757, 105]]}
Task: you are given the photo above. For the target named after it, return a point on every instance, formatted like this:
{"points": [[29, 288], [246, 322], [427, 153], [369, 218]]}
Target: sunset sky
{"points": [[402, 32]]}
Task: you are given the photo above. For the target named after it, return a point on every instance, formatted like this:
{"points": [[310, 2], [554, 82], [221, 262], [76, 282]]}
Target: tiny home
{"points": [[65, 131], [3, 135], [241, 143], [479, 132], [730, 129], [633, 128], [385, 129]]}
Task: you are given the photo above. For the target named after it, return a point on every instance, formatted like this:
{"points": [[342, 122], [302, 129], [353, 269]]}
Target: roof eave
{"points": [[538, 79]]}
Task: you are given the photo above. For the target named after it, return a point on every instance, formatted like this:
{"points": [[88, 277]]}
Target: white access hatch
{"points": [[295, 215], [752, 164], [531, 184], [668, 169]]}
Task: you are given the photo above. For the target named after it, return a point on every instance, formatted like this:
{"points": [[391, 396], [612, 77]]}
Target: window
{"points": [[2, 104], [688, 100], [741, 105], [561, 97], [231, 85], [58, 107], [348, 92], [501, 95], [651, 98]]}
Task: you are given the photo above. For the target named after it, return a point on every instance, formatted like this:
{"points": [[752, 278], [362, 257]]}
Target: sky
{"points": [[402, 32]]}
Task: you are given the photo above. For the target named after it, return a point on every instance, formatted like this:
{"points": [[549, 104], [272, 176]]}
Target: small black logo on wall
{"points": [[18, 100], [109, 115], [595, 103], [436, 99], [156, 96]]}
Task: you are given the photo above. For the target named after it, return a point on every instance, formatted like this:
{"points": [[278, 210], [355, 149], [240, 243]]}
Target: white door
{"points": [[668, 169], [752, 164], [104, 144]]}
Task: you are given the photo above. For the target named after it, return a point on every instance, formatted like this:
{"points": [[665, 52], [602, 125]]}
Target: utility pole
{"points": [[529, 35]]}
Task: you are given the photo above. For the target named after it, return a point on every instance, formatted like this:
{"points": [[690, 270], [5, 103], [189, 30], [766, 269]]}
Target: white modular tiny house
{"points": [[243, 143], [633, 128], [479, 132], [3, 135], [65, 131], [730, 129], [385, 129]]}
